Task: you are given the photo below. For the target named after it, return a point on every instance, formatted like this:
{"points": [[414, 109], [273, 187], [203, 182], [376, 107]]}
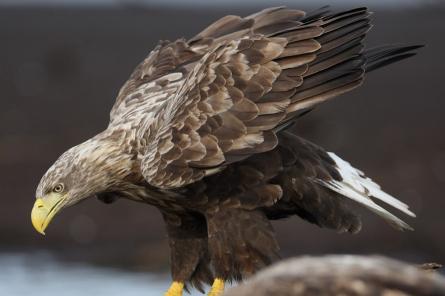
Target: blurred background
{"points": [[61, 66]]}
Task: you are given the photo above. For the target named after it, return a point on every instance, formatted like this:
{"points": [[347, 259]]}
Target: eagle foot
{"points": [[217, 287], [175, 289]]}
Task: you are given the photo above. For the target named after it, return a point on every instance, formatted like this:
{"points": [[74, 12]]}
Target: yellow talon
{"points": [[175, 289], [217, 287]]}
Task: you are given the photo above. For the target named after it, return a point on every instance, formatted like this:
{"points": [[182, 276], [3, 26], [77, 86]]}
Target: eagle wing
{"points": [[171, 61], [234, 100]]}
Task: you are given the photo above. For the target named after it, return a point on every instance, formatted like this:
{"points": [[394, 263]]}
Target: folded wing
{"points": [[252, 77]]}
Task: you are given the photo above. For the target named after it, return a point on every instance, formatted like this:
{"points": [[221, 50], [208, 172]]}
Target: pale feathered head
{"points": [[85, 170]]}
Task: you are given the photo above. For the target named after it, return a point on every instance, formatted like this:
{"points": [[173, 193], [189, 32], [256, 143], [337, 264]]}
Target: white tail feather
{"points": [[356, 186]]}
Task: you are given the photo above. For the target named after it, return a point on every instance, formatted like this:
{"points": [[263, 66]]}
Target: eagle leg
{"points": [[187, 235], [240, 243], [175, 289], [217, 287]]}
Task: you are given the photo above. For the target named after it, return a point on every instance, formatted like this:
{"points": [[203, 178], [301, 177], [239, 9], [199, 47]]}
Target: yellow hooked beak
{"points": [[45, 209]]}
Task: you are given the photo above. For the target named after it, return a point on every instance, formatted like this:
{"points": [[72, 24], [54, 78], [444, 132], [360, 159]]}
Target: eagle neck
{"points": [[113, 159]]}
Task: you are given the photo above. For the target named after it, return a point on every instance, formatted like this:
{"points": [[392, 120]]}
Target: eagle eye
{"points": [[58, 188]]}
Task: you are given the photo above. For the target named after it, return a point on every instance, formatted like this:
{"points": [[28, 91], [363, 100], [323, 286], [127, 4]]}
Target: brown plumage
{"points": [[199, 131]]}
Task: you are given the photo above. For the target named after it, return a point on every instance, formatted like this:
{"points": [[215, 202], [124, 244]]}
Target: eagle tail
{"points": [[356, 186]]}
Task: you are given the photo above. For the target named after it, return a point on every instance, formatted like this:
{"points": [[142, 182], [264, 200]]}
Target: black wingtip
{"points": [[381, 56], [316, 14], [388, 61]]}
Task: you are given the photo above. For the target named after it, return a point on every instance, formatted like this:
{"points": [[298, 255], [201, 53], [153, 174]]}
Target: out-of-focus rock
{"points": [[342, 275]]}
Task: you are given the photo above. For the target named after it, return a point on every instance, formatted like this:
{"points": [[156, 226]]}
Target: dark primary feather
{"points": [[381, 56]]}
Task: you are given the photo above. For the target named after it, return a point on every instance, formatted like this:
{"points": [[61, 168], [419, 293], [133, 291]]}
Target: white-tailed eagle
{"points": [[200, 131]]}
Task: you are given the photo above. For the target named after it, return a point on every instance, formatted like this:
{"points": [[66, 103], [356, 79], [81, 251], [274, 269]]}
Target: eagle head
{"points": [[90, 168]]}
